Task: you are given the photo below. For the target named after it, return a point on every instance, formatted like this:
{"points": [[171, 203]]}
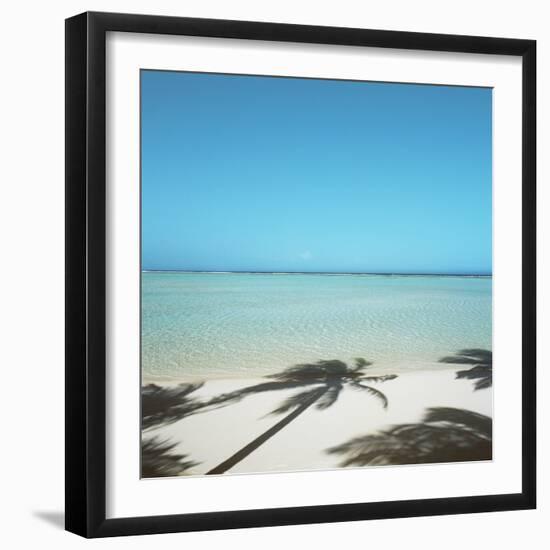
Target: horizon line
{"points": [[404, 273]]}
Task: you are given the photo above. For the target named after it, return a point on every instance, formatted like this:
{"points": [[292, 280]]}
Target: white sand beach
{"points": [[207, 438]]}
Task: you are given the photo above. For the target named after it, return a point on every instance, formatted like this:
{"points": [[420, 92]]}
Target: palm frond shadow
{"points": [[445, 434], [332, 376], [162, 405], [481, 361], [158, 460]]}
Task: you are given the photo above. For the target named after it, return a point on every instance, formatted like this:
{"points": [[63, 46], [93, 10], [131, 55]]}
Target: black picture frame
{"points": [[86, 274]]}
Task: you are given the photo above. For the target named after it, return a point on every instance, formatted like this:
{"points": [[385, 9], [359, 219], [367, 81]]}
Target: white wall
{"points": [[31, 287]]}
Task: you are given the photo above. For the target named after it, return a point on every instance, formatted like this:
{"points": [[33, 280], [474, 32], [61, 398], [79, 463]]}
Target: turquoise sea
{"points": [[219, 324]]}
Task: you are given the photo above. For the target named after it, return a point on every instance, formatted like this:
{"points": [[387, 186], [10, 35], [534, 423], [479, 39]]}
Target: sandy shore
{"points": [[208, 438]]}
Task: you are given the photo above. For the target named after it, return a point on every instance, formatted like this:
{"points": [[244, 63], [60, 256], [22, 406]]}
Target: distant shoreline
{"points": [[328, 273]]}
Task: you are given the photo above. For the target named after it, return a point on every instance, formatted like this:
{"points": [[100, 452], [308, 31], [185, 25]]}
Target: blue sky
{"points": [[283, 174]]}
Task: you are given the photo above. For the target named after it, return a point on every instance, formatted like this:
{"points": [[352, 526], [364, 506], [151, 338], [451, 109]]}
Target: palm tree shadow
{"points": [[158, 460], [482, 366], [445, 434], [321, 384]]}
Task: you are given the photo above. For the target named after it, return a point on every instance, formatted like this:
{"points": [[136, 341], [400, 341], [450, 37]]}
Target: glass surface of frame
{"points": [[329, 283]]}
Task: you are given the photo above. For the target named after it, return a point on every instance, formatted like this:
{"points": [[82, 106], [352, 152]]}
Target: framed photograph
{"points": [[293, 253]]}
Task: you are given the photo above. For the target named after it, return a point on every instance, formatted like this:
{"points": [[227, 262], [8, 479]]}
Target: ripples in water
{"points": [[225, 324]]}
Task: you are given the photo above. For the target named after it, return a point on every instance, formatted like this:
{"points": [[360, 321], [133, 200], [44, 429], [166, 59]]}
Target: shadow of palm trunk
{"points": [[253, 445]]}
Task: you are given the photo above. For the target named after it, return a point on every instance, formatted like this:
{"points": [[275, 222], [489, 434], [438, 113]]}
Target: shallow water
{"points": [[212, 324]]}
